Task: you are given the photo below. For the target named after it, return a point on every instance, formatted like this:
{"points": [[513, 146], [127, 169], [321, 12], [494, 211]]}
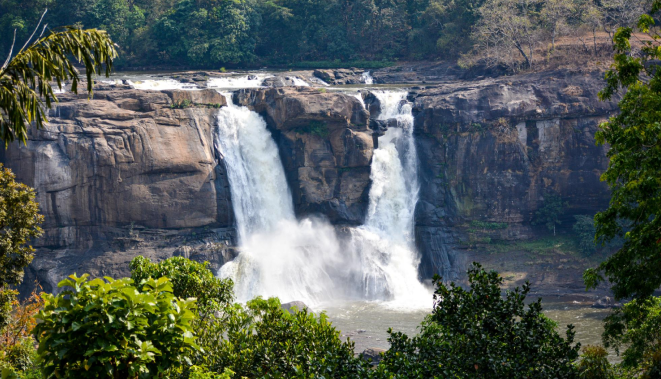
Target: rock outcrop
{"points": [[136, 172], [491, 150], [325, 145], [120, 172]]}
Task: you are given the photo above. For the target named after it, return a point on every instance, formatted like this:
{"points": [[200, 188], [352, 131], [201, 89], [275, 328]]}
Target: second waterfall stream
{"points": [[305, 259]]}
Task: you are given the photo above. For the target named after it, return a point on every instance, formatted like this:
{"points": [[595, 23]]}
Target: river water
{"points": [[367, 323]]}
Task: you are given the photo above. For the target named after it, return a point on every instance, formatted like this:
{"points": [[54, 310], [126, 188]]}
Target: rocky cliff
{"points": [[124, 170], [136, 172], [491, 150]]}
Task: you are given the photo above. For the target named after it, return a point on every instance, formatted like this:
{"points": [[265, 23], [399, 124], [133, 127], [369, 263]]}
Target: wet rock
{"points": [[489, 150], [278, 81], [325, 145], [606, 302], [294, 305], [373, 355]]}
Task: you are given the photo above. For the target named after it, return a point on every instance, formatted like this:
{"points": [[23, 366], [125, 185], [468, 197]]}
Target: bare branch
{"points": [[4, 66], [35, 30]]}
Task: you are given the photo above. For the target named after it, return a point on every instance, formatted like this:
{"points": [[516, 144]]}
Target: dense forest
{"points": [[369, 33]]}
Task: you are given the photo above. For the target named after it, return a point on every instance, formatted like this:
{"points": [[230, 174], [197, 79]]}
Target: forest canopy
{"points": [[218, 33]]}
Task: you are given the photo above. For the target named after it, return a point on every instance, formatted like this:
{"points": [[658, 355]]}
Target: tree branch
{"points": [[11, 50], [35, 30]]}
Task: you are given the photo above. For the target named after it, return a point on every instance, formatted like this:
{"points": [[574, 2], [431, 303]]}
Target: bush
{"points": [[188, 279], [111, 329], [264, 341], [477, 333], [594, 363]]}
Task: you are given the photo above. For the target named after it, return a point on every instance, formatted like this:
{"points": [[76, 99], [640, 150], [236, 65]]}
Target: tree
{"points": [[114, 329], [634, 170], [25, 79], [554, 14], [19, 223], [550, 212], [508, 27], [637, 326], [584, 229], [476, 333], [594, 364]]}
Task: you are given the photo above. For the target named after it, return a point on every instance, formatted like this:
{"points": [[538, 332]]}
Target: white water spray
{"points": [[305, 260], [367, 78], [237, 82], [160, 84]]}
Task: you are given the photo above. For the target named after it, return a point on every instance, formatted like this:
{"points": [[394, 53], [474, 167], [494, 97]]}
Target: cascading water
{"points": [[385, 244], [367, 78], [305, 260], [280, 256]]}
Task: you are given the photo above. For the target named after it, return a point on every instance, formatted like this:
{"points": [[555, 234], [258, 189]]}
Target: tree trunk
{"points": [[523, 53]]}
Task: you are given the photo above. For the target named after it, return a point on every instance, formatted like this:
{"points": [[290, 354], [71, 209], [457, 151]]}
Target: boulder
{"points": [[373, 355], [606, 302], [325, 145], [293, 306]]}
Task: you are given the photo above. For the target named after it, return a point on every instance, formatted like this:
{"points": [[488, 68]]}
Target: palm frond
{"points": [[25, 83]]}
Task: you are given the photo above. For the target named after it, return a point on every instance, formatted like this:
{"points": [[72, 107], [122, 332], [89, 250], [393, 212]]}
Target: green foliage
{"points": [[550, 212], [636, 326], [264, 341], [316, 128], [7, 296], [197, 372], [478, 333], [634, 170], [181, 104], [594, 364], [19, 223], [111, 329], [25, 79], [188, 279], [585, 232]]}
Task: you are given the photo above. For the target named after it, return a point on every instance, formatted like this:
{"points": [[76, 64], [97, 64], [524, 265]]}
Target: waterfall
{"points": [[260, 194], [280, 256], [367, 78], [385, 244], [306, 260]]}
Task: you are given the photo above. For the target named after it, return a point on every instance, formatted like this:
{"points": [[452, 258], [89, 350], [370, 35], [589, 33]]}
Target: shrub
{"points": [[111, 329], [594, 363], [264, 341], [477, 333], [188, 279]]}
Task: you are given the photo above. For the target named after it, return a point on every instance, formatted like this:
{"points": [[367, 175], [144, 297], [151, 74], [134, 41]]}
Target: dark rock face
{"points": [[490, 150], [122, 172], [325, 146]]}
